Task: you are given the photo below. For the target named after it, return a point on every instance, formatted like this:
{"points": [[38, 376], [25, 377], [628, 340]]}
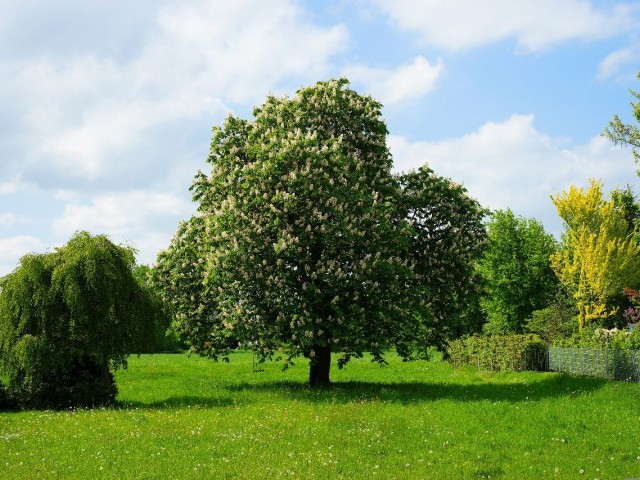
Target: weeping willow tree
{"points": [[70, 317]]}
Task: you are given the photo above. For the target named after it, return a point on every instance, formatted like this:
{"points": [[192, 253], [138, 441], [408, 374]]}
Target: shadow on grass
{"points": [[416, 392], [186, 401], [548, 386]]}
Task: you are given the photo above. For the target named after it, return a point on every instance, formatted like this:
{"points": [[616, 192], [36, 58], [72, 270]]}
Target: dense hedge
{"points": [[499, 352]]}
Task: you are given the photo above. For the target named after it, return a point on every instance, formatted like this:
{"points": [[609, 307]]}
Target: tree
{"points": [[166, 340], [599, 255], [68, 317], [302, 243], [626, 134], [179, 277], [447, 238], [517, 274], [625, 201]]}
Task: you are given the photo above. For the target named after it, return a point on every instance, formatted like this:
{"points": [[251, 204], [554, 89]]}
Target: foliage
{"points": [[302, 242], [558, 320], [598, 256], [179, 277], [499, 352], [165, 339], [517, 274], [445, 241], [603, 338], [626, 201], [626, 134], [66, 317], [5, 402]]}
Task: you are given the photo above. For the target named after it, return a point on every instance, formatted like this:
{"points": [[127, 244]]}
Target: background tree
{"points": [[166, 339], [303, 240], [599, 255], [626, 134], [446, 239], [518, 278], [626, 202], [179, 277], [68, 317]]}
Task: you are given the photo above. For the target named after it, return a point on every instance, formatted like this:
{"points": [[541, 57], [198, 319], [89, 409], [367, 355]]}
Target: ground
{"points": [[188, 417]]}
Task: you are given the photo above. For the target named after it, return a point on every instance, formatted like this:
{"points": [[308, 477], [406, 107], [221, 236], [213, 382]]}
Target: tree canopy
{"points": [[627, 134], [516, 269], [305, 243], [69, 316], [599, 255]]}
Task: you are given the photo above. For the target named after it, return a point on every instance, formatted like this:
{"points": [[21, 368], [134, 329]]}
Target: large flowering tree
{"points": [[305, 244]]}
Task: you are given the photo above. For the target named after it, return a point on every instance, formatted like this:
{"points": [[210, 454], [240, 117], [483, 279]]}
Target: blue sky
{"points": [[107, 106]]}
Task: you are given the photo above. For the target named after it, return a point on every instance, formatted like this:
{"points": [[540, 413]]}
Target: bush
{"points": [[557, 321], [602, 338], [499, 352], [58, 384], [170, 343]]}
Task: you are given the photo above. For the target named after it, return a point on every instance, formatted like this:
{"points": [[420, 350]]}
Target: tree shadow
{"points": [[547, 386], [555, 386], [177, 402]]}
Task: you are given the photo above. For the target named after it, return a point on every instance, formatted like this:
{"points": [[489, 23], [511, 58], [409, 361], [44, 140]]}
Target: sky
{"points": [[106, 107]]}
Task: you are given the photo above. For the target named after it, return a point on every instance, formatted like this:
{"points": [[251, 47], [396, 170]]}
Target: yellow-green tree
{"points": [[599, 255]]}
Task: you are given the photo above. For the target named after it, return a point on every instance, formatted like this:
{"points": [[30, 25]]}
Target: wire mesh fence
{"points": [[611, 364]]}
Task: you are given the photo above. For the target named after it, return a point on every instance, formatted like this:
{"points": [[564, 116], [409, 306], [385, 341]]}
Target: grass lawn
{"points": [[181, 417]]}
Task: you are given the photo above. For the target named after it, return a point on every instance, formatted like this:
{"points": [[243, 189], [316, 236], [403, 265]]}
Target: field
{"points": [[182, 417]]}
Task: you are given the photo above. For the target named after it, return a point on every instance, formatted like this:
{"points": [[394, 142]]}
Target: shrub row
{"points": [[499, 352]]}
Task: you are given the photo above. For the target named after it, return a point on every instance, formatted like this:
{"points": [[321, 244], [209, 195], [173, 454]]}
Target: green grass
{"points": [[183, 417]]}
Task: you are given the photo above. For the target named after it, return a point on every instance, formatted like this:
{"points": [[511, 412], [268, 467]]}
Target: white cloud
{"points": [[119, 214], [145, 219], [615, 61], [9, 187], [13, 248], [399, 85], [512, 165], [91, 115], [535, 24]]}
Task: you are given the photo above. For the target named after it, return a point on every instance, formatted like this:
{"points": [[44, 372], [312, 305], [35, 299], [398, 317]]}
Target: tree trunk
{"points": [[319, 366]]}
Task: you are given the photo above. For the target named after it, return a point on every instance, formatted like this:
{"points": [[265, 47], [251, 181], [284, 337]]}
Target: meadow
{"points": [[188, 417]]}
